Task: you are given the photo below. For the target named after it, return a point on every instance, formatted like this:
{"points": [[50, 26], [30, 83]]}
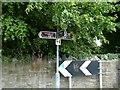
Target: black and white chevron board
{"points": [[76, 68]]}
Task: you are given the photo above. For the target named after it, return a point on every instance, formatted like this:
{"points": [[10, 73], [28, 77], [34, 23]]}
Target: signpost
{"points": [[75, 68], [58, 42], [58, 36]]}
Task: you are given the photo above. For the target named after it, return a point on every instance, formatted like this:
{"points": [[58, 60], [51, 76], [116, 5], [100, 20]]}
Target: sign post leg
{"points": [[57, 72], [100, 74], [70, 83]]}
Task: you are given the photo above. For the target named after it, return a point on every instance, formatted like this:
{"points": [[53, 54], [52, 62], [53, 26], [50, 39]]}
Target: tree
{"points": [[114, 38], [84, 20]]}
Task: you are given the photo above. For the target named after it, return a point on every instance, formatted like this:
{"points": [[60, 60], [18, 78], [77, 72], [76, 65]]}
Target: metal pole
{"points": [[57, 60], [57, 72], [70, 83], [100, 76]]}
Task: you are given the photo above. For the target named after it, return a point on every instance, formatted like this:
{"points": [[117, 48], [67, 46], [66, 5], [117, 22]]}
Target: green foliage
{"points": [[108, 56], [84, 20], [7, 59], [35, 5], [14, 28], [19, 59]]}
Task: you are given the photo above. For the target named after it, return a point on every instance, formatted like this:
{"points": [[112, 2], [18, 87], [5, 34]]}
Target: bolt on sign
{"points": [[58, 41]]}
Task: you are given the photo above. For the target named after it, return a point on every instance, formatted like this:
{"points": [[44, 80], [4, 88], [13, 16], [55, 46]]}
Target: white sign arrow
{"points": [[84, 66], [62, 68]]}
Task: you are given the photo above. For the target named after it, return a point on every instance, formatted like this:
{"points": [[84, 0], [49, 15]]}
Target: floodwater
{"points": [[22, 75]]}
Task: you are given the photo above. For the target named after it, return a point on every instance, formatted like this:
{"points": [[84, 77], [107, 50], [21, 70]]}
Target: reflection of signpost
{"points": [[75, 68]]}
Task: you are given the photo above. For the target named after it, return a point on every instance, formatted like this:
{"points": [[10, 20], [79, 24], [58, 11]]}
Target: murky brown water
{"points": [[17, 75]]}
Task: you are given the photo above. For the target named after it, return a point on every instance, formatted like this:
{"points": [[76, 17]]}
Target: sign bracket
{"points": [[70, 82], [100, 74]]}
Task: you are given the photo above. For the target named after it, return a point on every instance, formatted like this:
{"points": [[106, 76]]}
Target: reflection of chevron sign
{"points": [[75, 68]]}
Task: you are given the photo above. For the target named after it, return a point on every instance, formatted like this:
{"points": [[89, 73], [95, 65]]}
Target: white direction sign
{"points": [[84, 69], [53, 35], [62, 68], [47, 34]]}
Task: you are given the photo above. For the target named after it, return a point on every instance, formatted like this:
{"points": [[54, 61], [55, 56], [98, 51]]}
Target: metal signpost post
{"points": [[58, 36], [58, 42]]}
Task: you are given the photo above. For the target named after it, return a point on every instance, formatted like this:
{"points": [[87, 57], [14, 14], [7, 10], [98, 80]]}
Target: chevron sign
{"points": [[75, 68]]}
